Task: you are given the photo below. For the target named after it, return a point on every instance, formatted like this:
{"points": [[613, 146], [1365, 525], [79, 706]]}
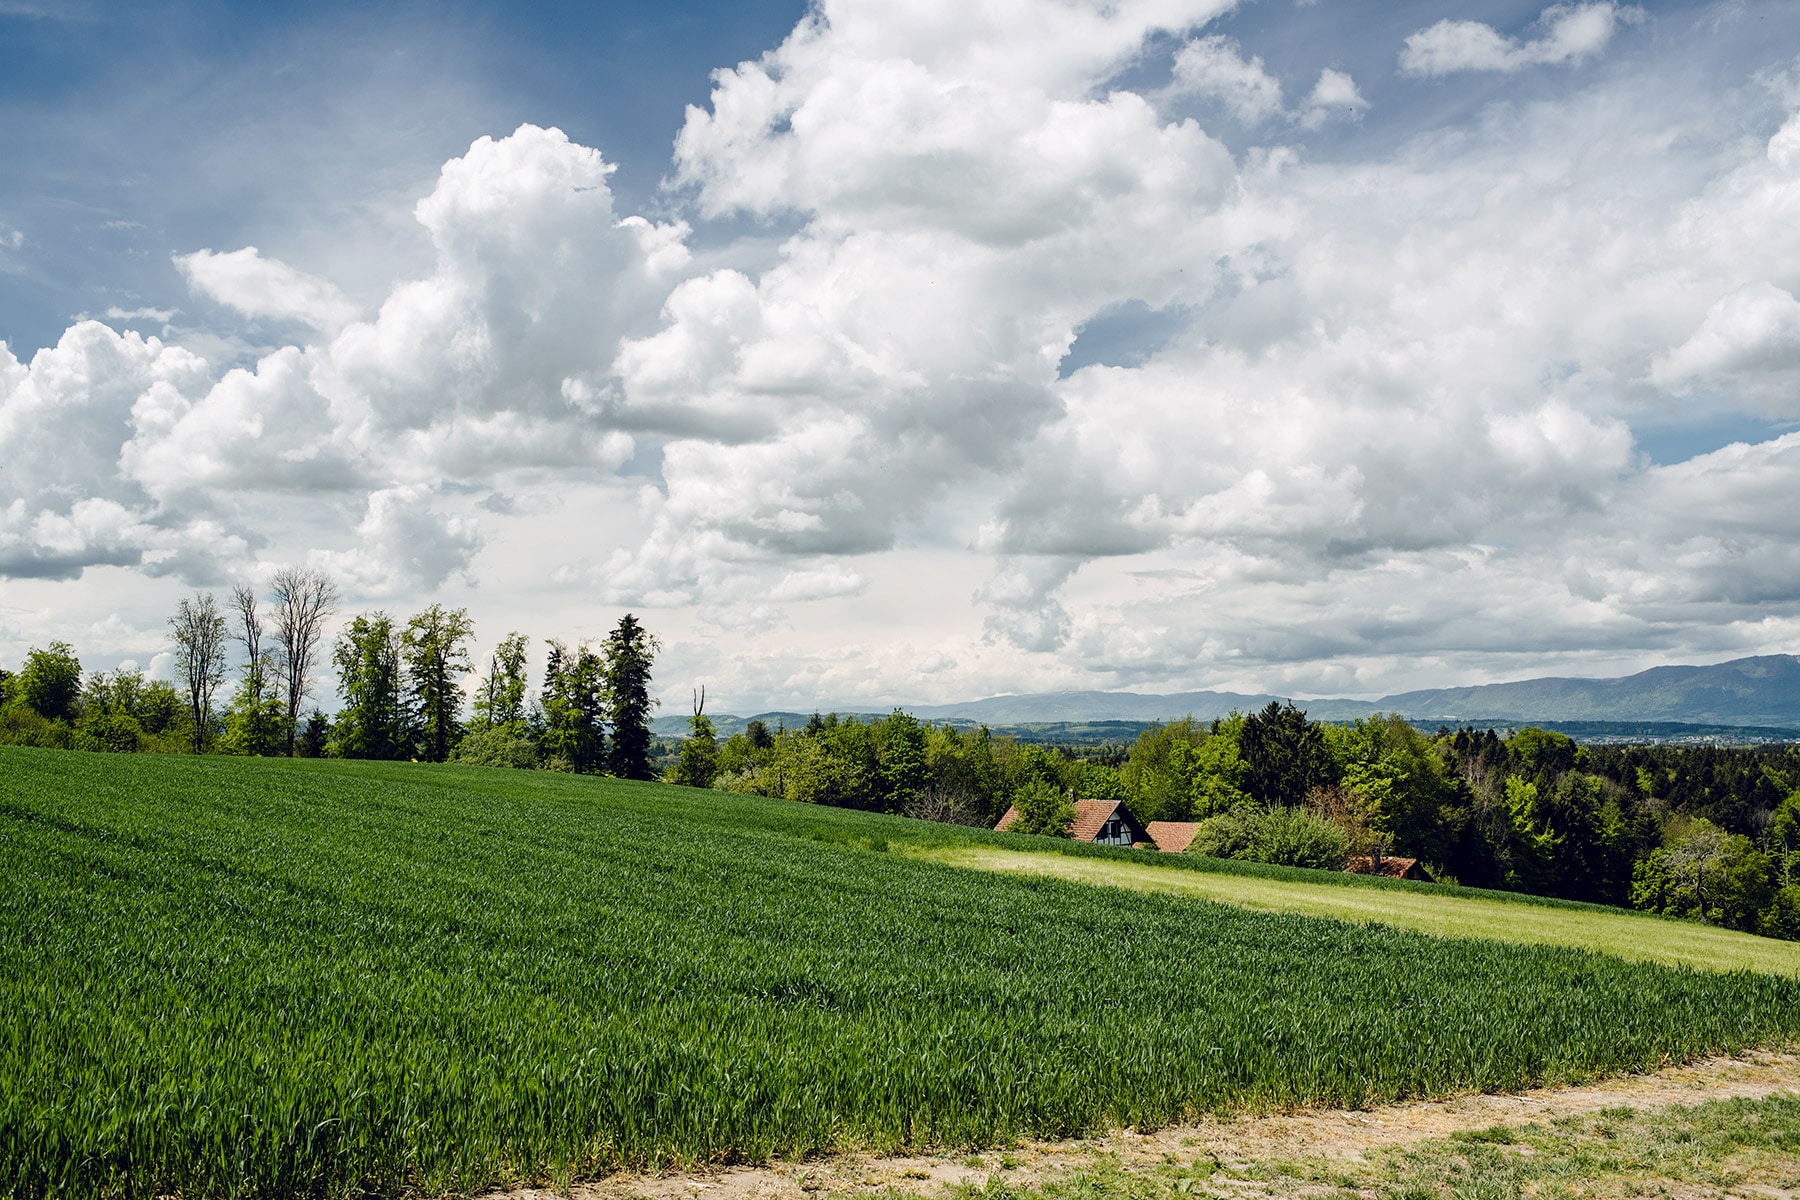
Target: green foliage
{"points": [[1541, 752], [1289, 837], [900, 749], [375, 720], [1402, 785], [255, 720], [435, 651], [500, 700], [288, 978], [315, 735], [1704, 873], [630, 653], [699, 759], [1184, 770], [1781, 918], [498, 746], [123, 713], [1043, 809], [572, 710], [49, 682], [1284, 755]]}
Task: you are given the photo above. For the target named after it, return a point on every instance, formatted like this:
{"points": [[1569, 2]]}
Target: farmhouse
{"points": [[1172, 836], [1102, 822]]}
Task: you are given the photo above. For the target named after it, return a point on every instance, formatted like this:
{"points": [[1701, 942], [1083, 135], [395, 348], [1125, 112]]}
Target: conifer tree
{"points": [[630, 651]]}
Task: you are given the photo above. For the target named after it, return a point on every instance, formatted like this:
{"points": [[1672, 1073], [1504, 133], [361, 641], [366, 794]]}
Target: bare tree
{"points": [[200, 636], [304, 600], [251, 637]]}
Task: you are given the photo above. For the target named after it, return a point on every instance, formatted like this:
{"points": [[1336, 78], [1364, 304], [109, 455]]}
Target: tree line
{"points": [[400, 687], [1707, 833]]}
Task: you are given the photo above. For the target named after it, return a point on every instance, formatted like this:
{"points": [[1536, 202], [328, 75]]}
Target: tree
{"points": [[305, 600], [253, 719], [108, 720], [316, 736], [501, 700], [436, 652], [1284, 755], [699, 760], [49, 682], [903, 766], [1044, 809], [630, 651], [374, 721], [200, 636], [573, 710]]}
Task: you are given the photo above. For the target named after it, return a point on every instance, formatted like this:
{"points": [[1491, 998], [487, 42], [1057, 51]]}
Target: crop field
{"points": [[233, 978], [1459, 913]]}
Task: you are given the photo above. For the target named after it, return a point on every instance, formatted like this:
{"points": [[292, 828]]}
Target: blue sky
{"points": [[930, 351]]}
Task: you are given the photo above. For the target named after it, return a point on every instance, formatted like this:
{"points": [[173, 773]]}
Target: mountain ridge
{"points": [[1762, 690]]}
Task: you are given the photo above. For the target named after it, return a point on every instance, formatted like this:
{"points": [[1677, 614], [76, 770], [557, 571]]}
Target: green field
{"points": [[1462, 913], [228, 977]]}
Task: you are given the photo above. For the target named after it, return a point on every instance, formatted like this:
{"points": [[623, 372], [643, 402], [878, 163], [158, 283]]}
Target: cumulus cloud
{"points": [[1386, 424], [1570, 34], [1749, 340], [265, 287], [1215, 67], [404, 545], [1335, 94]]}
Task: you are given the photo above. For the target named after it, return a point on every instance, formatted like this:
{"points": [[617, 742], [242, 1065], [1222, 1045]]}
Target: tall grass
{"points": [[231, 978]]}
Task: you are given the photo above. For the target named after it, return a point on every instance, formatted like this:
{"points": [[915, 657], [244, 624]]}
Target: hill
{"points": [[1697, 702], [291, 977], [1746, 691]]}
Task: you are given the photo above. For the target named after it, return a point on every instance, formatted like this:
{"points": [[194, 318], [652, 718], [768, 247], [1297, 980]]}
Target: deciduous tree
{"points": [[200, 637], [49, 682], [374, 721], [435, 648], [305, 600]]}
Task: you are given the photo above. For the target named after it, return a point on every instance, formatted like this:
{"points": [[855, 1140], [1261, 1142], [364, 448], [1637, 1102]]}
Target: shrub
{"points": [[500, 746], [1289, 837]]}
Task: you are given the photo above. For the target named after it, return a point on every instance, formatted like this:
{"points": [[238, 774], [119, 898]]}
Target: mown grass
{"points": [[1316, 894], [246, 978]]}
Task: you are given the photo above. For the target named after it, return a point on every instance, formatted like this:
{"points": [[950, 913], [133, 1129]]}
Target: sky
{"points": [[879, 353]]}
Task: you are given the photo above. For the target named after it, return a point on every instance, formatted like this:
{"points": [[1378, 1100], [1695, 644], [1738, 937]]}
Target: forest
{"points": [[1704, 833]]}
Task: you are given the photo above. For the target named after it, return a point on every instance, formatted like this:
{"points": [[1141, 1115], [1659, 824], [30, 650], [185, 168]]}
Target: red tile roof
{"points": [[1172, 836], [1090, 817]]}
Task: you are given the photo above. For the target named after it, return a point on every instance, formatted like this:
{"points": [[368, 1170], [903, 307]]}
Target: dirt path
{"points": [[1314, 1134]]}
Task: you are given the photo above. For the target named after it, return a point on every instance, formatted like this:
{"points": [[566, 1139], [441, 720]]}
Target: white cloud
{"points": [[1749, 341], [1335, 94], [404, 546], [1385, 429], [264, 287], [1215, 67], [1571, 34]]}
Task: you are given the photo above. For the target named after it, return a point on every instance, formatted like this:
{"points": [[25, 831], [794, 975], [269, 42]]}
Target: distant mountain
{"points": [[1763, 691], [1746, 691], [1125, 706]]}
